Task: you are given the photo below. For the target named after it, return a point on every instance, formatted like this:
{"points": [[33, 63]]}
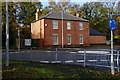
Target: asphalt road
{"points": [[99, 57]]}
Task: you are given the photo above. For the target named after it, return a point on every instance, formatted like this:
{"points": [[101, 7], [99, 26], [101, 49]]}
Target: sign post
{"points": [[18, 38], [28, 44], [112, 25]]}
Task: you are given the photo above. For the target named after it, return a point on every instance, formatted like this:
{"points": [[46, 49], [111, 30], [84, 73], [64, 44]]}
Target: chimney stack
{"points": [[37, 14], [77, 15]]}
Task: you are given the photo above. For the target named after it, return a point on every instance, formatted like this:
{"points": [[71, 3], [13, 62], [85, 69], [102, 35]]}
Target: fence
{"points": [[88, 57]]}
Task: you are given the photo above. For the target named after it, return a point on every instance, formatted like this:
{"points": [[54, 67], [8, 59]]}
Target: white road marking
{"points": [[92, 60], [44, 61], [104, 60], [73, 52], [68, 61], [11, 52], [99, 52], [116, 60], [47, 51], [16, 52], [58, 61], [79, 60], [55, 61]]}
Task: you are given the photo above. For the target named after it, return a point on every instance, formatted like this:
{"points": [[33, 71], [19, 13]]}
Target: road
{"points": [[99, 57]]}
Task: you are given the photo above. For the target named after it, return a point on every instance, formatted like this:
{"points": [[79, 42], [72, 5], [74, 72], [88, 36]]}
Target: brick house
{"points": [[74, 33]]}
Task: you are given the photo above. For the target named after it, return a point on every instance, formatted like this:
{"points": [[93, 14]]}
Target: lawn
{"points": [[35, 70]]}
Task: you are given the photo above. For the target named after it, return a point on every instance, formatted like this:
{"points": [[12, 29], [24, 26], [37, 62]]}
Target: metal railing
{"points": [[81, 57]]}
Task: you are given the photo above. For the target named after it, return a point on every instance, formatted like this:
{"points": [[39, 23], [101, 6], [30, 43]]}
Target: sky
{"points": [[45, 2]]}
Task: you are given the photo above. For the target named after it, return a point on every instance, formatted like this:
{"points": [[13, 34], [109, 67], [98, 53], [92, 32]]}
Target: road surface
{"points": [[99, 57]]}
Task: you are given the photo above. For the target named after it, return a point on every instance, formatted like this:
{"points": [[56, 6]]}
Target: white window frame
{"points": [[55, 24], [80, 26], [68, 25], [53, 39], [80, 39], [69, 35]]}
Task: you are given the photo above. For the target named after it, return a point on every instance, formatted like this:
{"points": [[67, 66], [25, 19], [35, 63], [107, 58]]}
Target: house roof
{"points": [[94, 32], [58, 15]]}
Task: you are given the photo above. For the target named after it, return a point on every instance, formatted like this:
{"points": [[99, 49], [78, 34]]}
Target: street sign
{"points": [[112, 24], [27, 42]]}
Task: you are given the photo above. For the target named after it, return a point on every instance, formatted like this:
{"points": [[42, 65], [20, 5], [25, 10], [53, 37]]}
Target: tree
{"points": [[99, 15], [57, 6], [26, 12], [75, 9], [25, 15], [117, 31], [12, 23], [20, 13]]}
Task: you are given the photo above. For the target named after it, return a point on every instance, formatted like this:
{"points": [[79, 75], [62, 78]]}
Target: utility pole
{"points": [[7, 35]]}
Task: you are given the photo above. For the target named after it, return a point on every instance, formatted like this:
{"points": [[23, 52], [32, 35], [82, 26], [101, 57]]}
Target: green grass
{"points": [[35, 70]]}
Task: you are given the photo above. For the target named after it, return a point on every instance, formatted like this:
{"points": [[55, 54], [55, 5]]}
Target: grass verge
{"points": [[34, 70]]}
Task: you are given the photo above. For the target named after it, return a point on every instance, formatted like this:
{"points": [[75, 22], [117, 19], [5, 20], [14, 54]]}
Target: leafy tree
{"points": [[75, 9], [118, 17], [12, 23], [20, 13], [57, 6], [99, 15], [26, 12], [25, 32], [25, 15]]}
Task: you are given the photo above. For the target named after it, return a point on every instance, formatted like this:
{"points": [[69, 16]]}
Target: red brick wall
{"points": [[43, 30], [75, 32], [97, 39]]}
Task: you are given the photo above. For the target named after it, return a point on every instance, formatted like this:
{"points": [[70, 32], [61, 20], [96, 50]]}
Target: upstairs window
{"points": [[80, 26], [55, 24], [68, 26]]}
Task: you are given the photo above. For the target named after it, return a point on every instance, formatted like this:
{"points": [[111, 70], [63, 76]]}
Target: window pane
{"points": [[69, 39], [81, 39], [68, 25], [81, 26], [55, 24], [55, 39]]}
